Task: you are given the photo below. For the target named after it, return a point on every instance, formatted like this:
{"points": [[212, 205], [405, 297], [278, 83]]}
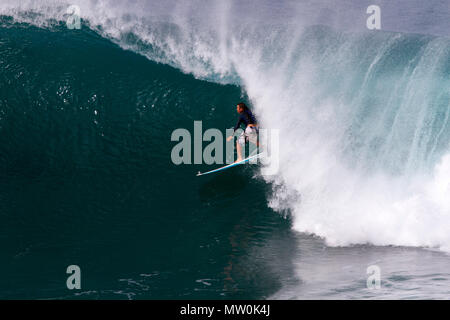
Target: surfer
{"points": [[250, 133]]}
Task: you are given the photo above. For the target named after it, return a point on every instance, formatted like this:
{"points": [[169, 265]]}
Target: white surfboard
{"points": [[230, 165]]}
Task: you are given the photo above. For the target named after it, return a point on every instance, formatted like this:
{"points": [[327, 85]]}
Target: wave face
{"points": [[86, 178], [363, 116]]}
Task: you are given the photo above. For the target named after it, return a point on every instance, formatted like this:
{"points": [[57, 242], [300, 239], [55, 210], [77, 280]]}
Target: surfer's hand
{"points": [[229, 138]]}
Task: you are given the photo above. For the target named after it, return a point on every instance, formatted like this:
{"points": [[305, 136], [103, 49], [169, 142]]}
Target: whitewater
{"points": [[363, 115]]}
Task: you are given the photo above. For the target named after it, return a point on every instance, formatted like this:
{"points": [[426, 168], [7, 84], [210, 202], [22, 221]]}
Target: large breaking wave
{"points": [[363, 116]]}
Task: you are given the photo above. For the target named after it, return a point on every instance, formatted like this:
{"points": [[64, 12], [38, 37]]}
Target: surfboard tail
{"points": [[230, 165]]}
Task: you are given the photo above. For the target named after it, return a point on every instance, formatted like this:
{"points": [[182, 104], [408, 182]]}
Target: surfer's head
{"points": [[241, 107]]}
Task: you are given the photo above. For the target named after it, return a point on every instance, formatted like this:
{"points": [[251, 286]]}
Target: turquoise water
{"points": [[86, 176]]}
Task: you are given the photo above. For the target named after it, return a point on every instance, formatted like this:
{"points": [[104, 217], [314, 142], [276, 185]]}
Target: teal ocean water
{"points": [[86, 176]]}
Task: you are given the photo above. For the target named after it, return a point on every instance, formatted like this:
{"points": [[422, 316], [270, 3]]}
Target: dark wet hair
{"points": [[242, 105]]}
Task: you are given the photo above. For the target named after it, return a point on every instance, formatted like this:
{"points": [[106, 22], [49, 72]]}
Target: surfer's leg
{"points": [[252, 135], [239, 151], [239, 143]]}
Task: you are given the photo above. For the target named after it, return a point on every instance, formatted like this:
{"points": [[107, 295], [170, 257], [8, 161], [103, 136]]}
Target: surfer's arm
{"points": [[230, 137], [238, 124]]}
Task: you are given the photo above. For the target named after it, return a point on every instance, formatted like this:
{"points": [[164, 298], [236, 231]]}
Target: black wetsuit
{"points": [[246, 117]]}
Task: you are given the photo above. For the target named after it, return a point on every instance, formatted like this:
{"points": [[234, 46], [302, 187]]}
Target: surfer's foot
{"points": [[238, 160]]}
